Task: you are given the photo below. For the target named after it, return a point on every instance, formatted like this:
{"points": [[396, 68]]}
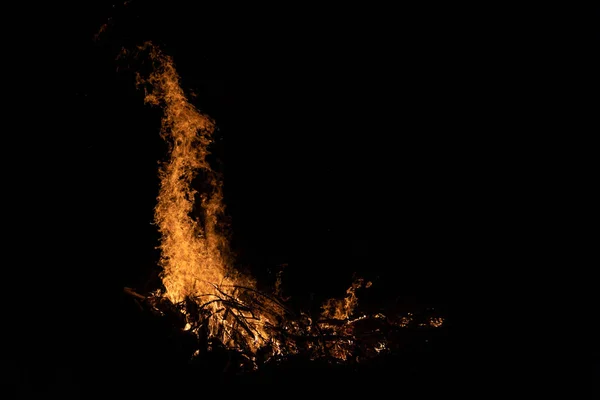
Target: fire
{"points": [[343, 308], [215, 300], [195, 253]]}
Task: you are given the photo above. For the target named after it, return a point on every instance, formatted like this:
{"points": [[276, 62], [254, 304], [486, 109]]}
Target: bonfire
{"points": [[202, 290]]}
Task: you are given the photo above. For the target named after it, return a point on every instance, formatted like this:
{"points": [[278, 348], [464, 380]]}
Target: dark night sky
{"points": [[340, 137], [350, 141], [346, 137], [386, 141]]}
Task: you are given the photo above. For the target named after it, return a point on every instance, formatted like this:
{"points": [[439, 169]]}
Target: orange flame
{"points": [[195, 253], [197, 268], [343, 308]]}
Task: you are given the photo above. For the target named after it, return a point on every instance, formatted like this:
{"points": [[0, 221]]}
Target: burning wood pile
{"points": [[203, 296], [348, 340]]}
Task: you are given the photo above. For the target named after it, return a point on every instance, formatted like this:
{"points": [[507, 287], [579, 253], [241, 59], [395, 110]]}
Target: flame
{"points": [[193, 252], [215, 300], [195, 255], [343, 308]]}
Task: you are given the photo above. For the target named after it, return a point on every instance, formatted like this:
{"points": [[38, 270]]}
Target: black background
{"points": [[347, 139], [365, 141]]}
